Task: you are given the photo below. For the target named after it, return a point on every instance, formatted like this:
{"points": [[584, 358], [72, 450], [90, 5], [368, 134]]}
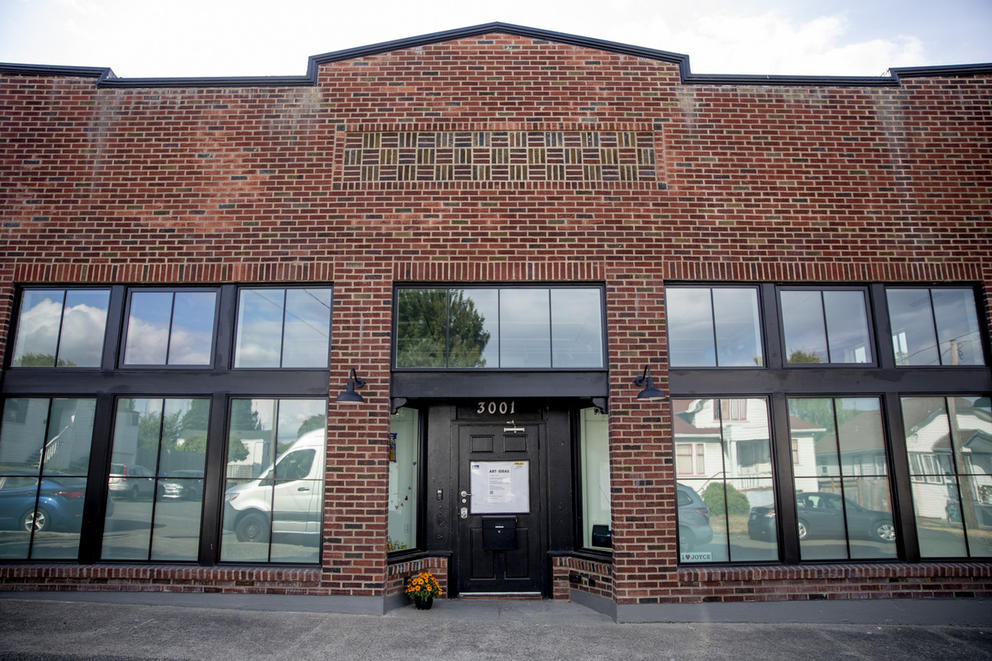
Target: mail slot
{"points": [[499, 533], [602, 536]]}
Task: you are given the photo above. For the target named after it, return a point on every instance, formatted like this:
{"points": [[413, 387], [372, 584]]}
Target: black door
{"points": [[499, 509]]}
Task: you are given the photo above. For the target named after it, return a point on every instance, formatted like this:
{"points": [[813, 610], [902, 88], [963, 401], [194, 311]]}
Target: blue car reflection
{"points": [[58, 505]]}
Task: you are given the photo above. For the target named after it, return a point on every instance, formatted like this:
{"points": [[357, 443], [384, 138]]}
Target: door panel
{"points": [[499, 491]]}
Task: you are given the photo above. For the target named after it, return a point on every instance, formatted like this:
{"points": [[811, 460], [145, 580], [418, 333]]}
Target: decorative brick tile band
{"points": [[584, 157]]}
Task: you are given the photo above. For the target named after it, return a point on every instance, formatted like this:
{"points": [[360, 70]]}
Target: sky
{"points": [[138, 38]]}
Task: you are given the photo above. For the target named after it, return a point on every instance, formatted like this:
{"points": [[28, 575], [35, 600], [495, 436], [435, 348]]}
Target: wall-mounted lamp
{"points": [[649, 392], [349, 395]]}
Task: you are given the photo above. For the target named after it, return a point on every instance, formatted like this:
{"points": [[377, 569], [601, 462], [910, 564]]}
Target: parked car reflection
{"points": [[182, 485], [821, 514], [59, 503], [694, 520]]}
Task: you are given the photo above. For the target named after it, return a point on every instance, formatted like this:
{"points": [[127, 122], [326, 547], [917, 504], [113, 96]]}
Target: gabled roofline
{"points": [[107, 79]]}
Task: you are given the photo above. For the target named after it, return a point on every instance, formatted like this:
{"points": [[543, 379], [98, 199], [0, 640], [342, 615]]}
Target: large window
{"points": [[156, 479], [809, 465], [728, 514], [506, 327], [60, 328], [193, 459], [937, 326], [843, 500], [44, 461], [404, 470], [714, 326], [274, 481], [949, 447]]}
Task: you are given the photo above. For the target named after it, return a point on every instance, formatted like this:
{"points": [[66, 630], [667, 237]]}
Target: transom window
{"points": [[499, 327], [61, 328], [935, 326]]}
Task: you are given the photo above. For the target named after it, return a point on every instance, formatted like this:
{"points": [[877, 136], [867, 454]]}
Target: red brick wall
{"points": [[400, 571], [754, 183]]}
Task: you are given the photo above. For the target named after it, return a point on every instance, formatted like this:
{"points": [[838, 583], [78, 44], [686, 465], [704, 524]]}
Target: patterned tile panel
{"points": [[583, 157]]}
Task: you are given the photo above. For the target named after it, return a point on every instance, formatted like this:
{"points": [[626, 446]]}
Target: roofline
{"points": [[107, 79]]}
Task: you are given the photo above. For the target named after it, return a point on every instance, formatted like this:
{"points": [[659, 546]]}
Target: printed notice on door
{"points": [[500, 487]]}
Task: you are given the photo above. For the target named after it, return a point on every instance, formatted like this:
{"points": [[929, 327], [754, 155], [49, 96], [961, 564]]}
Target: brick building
{"points": [[485, 236]]}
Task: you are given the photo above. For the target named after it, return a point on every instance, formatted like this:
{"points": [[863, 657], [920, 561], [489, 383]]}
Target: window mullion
{"points": [[784, 479]]}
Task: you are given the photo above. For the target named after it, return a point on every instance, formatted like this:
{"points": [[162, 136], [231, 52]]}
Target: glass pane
{"points": [[402, 507], [246, 522], [738, 327], [847, 326], [23, 435], [525, 325], [17, 501], [59, 518], [137, 429], [971, 418], [820, 514], [473, 333], [296, 521], [38, 328], [957, 327], [814, 438], [308, 328], [302, 426], [802, 324], [83, 326], [746, 446], [259, 328], [690, 327], [751, 530], [70, 431], [148, 328], [911, 318], [928, 441], [576, 328], [251, 447], [184, 437], [870, 528], [595, 460], [128, 525], [192, 328], [939, 527], [862, 444], [702, 517], [976, 495], [177, 519], [421, 325]]}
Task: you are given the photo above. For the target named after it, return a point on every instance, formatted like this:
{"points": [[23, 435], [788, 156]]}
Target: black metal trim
{"points": [[107, 79]]}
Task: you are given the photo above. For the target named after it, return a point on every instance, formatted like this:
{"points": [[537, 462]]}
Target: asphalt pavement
{"points": [[44, 627]]}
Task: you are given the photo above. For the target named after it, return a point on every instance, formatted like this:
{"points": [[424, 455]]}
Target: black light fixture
{"points": [[349, 395], [649, 392]]}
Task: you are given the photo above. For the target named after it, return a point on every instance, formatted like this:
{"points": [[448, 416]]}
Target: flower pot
{"points": [[423, 603]]}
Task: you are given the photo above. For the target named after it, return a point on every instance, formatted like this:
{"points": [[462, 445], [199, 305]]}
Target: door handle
{"points": [[303, 488], [464, 494]]}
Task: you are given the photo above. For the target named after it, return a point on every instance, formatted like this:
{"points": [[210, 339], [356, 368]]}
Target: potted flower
{"points": [[422, 588]]}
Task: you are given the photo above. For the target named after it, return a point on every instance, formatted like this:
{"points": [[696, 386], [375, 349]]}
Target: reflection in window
{"points": [[283, 327], [825, 326], [170, 328], [274, 481], [949, 443], [44, 460], [934, 326], [729, 514], [843, 499], [597, 528], [534, 327], [61, 328], [714, 326], [403, 471], [156, 479]]}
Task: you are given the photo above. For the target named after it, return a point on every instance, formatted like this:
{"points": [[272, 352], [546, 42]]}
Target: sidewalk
{"points": [[40, 626]]}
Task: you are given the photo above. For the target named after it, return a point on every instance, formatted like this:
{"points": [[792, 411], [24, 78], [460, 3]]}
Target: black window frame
{"points": [[779, 380], [219, 382], [762, 339], [500, 287], [399, 555], [983, 329], [872, 340], [15, 313], [215, 329], [285, 289]]}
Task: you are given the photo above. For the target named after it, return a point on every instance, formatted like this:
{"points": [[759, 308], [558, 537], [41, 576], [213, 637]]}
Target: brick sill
{"points": [[836, 571]]}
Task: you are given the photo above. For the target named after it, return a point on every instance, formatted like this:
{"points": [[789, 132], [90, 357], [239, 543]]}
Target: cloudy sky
{"points": [[275, 37]]}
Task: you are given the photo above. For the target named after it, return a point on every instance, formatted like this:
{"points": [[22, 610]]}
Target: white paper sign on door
{"points": [[500, 487]]}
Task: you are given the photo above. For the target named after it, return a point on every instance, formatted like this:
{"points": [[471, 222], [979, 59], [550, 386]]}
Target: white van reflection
{"points": [[285, 500]]}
